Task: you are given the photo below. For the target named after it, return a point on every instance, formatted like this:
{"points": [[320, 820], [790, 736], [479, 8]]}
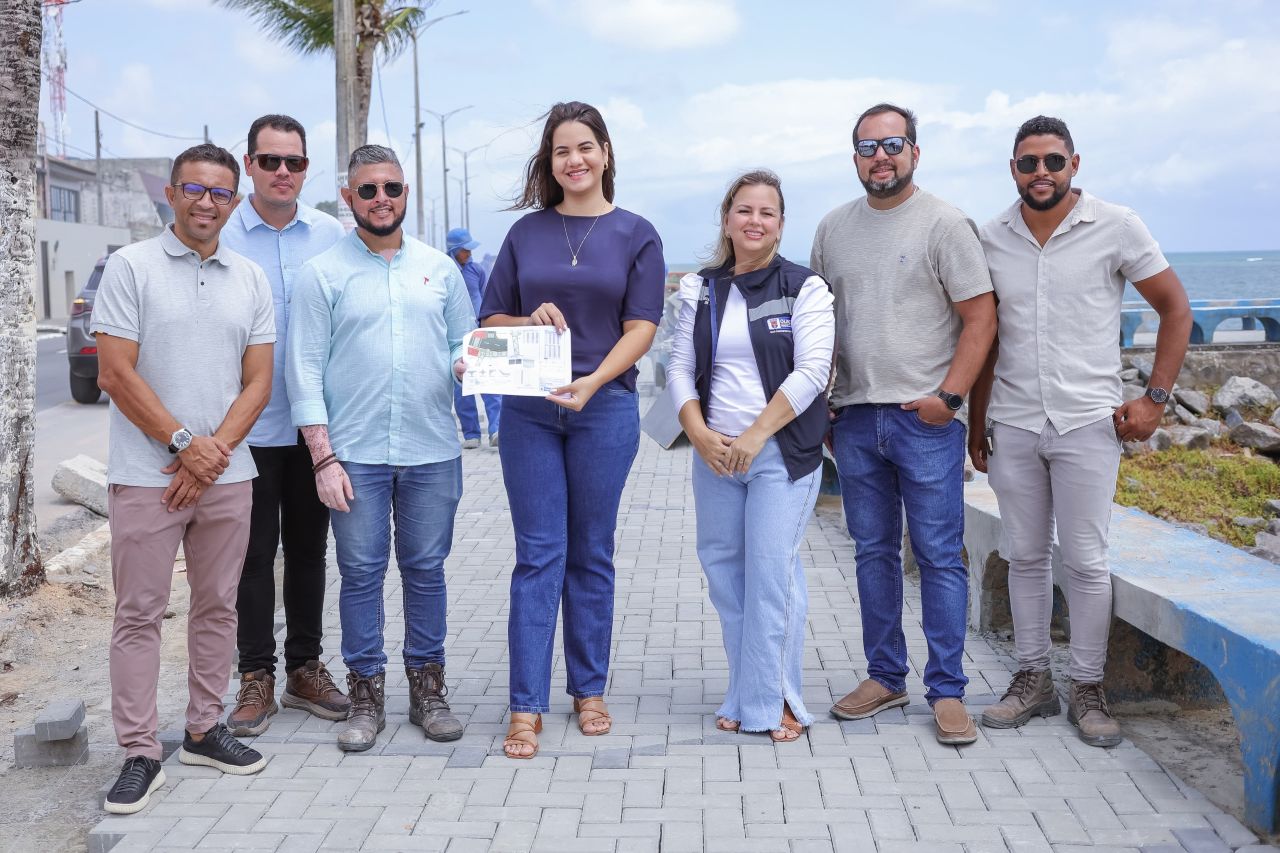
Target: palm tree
{"points": [[306, 26], [20, 566]]}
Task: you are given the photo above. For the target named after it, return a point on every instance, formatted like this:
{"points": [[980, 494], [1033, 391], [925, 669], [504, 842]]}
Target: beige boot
{"points": [[1029, 693]]}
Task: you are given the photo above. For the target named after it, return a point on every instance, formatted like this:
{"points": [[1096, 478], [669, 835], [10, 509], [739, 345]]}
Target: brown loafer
{"points": [[868, 698], [954, 725]]}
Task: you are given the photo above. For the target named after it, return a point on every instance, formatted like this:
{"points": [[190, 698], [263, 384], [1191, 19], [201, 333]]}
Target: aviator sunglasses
{"points": [[195, 192], [891, 144], [391, 188], [1028, 163], [292, 162]]}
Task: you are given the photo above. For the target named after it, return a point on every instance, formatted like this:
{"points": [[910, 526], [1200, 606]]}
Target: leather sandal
{"points": [[788, 730], [591, 710], [522, 732], [725, 724]]}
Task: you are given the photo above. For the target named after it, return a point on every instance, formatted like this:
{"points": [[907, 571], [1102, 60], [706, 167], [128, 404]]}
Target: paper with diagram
{"points": [[527, 361]]}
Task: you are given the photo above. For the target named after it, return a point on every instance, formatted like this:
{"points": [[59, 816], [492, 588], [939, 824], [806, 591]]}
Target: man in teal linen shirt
{"points": [[374, 348]]}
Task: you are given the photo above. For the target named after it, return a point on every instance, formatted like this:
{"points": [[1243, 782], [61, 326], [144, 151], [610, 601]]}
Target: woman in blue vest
{"points": [[577, 262], [748, 373]]}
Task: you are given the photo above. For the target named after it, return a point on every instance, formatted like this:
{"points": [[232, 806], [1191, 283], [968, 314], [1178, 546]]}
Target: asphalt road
{"points": [[52, 382]]}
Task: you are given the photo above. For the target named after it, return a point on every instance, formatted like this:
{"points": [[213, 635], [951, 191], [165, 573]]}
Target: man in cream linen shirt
{"points": [[1059, 259]]}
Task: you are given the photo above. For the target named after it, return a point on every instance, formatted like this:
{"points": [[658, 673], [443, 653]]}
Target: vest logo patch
{"points": [[778, 324]]}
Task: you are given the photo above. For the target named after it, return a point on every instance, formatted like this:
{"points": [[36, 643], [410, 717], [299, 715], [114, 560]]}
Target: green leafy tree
{"points": [[383, 27]]}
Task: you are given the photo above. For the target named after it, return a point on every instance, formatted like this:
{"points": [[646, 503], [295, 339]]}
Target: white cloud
{"points": [[623, 114], [652, 24]]}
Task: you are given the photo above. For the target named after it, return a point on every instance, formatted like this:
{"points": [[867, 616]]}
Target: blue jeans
{"points": [[889, 460], [423, 500], [564, 473], [749, 531], [465, 406]]}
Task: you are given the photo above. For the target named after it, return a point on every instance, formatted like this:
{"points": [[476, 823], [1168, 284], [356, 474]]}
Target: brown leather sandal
{"points": [[789, 729], [592, 710], [522, 732], [725, 724]]}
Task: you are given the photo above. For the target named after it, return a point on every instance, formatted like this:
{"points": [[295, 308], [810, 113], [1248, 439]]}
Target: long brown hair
{"points": [[540, 187], [722, 252]]}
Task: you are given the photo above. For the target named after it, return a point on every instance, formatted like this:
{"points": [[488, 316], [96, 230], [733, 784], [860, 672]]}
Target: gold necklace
{"points": [[572, 253]]}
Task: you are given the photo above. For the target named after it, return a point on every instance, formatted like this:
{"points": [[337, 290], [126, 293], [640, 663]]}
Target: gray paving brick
{"points": [[1201, 841]]}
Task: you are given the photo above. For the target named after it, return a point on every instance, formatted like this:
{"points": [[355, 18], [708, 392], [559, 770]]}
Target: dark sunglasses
{"points": [[292, 162], [891, 144], [1028, 163], [393, 189], [195, 192]]}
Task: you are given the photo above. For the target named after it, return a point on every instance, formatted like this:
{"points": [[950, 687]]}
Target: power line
{"points": [[132, 124]]}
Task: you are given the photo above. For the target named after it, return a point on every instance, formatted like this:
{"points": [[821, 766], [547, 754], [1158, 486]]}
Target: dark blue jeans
{"points": [[469, 418], [564, 473], [423, 500], [889, 460]]}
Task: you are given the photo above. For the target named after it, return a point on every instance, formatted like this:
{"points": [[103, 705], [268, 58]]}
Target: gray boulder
{"points": [[83, 480], [1273, 507], [1241, 391], [1269, 544], [1275, 418], [1260, 437], [1143, 366], [1132, 392], [1190, 437], [1209, 425], [1232, 418], [1192, 399], [1249, 521], [1184, 415], [1129, 374], [1161, 439]]}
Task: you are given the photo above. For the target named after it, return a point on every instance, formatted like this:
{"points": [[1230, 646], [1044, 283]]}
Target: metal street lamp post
{"points": [[444, 159], [466, 183], [417, 116]]}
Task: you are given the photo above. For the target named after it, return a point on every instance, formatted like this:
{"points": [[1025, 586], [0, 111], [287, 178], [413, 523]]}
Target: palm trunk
{"points": [[364, 88], [20, 566]]}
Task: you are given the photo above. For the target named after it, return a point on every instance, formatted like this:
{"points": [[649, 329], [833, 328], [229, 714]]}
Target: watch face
{"points": [[1158, 395], [953, 401]]}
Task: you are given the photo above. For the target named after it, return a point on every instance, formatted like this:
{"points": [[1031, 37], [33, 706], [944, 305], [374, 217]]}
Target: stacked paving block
{"points": [[58, 739]]}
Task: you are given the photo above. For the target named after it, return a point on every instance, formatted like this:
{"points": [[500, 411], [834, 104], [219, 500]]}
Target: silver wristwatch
{"points": [[180, 440], [1158, 395]]}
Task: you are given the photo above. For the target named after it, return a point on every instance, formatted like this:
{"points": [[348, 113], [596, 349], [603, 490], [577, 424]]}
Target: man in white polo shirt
{"points": [[184, 329], [1059, 259]]}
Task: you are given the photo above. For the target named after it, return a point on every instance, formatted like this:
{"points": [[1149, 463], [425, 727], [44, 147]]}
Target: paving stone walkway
{"points": [[666, 779]]}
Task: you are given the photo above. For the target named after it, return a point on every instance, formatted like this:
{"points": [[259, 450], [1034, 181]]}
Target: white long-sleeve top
{"points": [[737, 393]]}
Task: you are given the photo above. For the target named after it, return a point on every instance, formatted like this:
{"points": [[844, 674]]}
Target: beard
{"points": [[1059, 192], [381, 230], [890, 187]]}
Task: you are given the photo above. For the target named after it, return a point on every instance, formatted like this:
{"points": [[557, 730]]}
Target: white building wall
{"points": [[72, 249]]}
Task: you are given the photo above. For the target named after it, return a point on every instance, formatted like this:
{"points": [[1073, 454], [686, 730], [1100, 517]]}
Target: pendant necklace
{"points": [[574, 254]]}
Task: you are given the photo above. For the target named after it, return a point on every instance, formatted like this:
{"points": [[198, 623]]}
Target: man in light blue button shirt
{"points": [[279, 233], [374, 350]]}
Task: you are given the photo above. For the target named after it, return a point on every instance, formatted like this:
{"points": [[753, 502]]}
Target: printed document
{"points": [[527, 361]]}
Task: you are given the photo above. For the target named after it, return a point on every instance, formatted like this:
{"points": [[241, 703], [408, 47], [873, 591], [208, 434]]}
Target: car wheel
{"points": [[85, 390]]}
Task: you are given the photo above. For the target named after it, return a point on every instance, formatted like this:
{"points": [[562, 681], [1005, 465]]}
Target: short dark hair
{"points": [[1044, 126], [540, 188], [371, 155], [885, 107], [207, 152], [283, 123]]}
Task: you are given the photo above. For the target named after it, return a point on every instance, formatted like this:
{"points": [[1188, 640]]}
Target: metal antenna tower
{"points": [[55, 69]]}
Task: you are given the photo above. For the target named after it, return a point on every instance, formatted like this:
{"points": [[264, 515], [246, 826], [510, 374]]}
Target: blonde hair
{"points": [[722, 253]]}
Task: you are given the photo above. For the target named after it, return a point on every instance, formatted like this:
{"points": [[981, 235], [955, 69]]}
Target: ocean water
{"points": [[1224, 275]]}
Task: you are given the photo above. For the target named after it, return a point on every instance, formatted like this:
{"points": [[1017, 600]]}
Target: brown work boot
{"points": [[427, 705], [952, 723], [868, 698], [310, 688], [1087, 710], [368, 713], [1029, 693], [255, 703]]}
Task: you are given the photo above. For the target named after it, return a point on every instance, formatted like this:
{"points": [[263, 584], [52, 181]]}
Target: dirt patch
{"points": [[54, 645]]}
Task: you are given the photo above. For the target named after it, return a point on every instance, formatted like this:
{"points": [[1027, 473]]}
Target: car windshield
{"points": [[91, 286]]}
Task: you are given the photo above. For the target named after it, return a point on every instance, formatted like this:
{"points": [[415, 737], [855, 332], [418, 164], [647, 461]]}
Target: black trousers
{"points": [[287, 511]]}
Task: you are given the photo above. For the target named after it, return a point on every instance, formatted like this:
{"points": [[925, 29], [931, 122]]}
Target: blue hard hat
{"points": [[459, 238]]}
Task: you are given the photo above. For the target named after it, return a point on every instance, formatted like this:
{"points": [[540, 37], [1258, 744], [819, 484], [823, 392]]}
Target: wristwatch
{"points": [[953, 401], [180, 440], [1158, 395]]}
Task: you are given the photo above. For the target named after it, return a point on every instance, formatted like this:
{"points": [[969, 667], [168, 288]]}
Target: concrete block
{"points": [[59, 720], [1201, 841], [170, 742], [83, 480], [103, 842], [28, 751]]}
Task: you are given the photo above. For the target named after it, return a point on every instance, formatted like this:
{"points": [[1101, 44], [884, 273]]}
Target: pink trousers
{"points": [[144, 542]]}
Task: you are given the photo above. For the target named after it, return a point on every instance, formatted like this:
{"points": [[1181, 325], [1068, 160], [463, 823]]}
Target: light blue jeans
{"points": [[749, 531]]}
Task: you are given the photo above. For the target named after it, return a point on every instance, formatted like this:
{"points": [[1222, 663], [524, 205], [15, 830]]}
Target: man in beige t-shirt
{"points": [[914, 320], [1059, 260]]}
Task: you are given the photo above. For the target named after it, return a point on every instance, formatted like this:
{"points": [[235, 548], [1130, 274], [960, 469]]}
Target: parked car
{"points": [[82, 349]]}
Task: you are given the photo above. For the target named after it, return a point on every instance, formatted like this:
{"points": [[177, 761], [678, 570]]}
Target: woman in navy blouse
{"points": [[576, 262]]}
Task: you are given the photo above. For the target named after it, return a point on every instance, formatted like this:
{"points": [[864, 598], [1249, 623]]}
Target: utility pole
{"points": [[97, 163], [344, 52], [444, 159], [466, 183], [462, 205], [417, 116], [432, 239], [206, 134]]}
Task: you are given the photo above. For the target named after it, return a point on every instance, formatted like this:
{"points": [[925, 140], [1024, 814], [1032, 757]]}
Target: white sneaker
{"points": [[493, 439], [470, 444]]}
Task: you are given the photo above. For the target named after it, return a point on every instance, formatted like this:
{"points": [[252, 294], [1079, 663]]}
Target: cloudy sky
{"points": [[1174, 104]]}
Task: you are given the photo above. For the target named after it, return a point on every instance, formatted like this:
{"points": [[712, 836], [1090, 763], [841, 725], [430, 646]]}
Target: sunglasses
{"points": [[393, 189], [1028, 163], [891, 144], [195, 192], [292, 162]]}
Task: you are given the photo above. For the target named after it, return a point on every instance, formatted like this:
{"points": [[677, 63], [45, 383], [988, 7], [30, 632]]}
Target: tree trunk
{"points": [[364, 90], [20, 566]]}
